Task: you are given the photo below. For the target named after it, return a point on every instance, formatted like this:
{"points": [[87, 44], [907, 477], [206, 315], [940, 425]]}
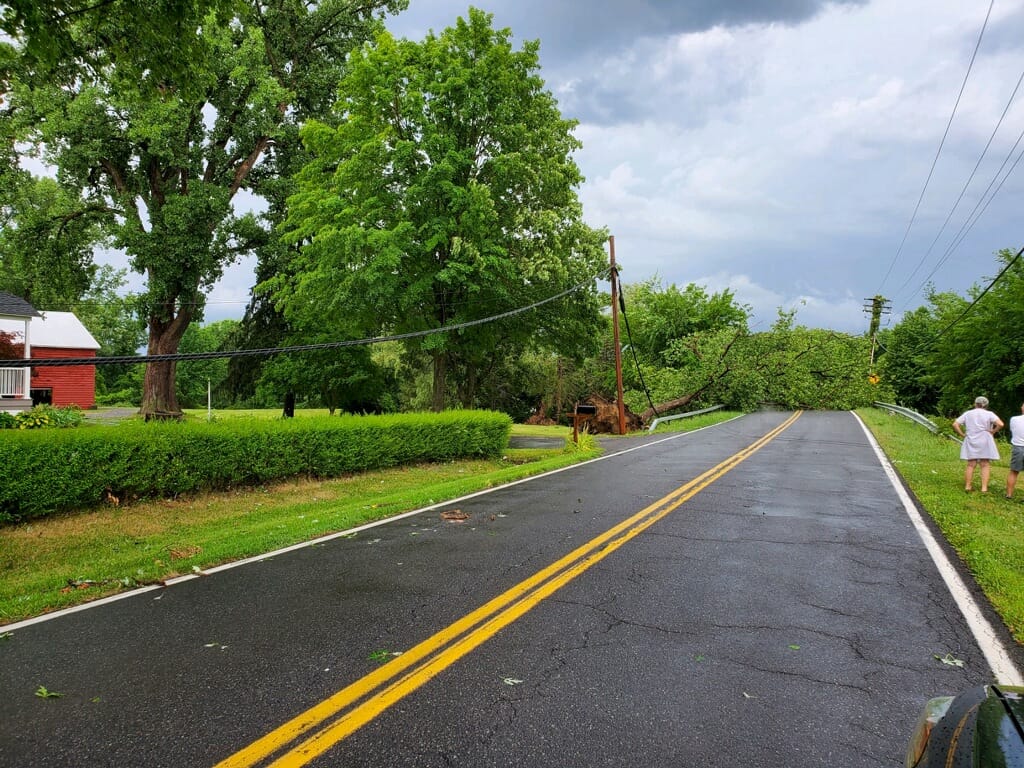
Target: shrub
{"points": [[43, 416], [122, 398], [7, 420], [61, 470], [37, 418]]}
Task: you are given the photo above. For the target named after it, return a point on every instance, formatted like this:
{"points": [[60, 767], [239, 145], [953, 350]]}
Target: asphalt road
{"points": [[781, 611]]}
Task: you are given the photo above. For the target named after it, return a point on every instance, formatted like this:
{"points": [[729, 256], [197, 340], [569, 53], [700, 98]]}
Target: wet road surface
{"points": [[764, 601]]}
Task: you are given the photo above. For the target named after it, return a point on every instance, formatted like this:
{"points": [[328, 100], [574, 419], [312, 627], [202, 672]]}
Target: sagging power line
{"points": [[186, 356]]}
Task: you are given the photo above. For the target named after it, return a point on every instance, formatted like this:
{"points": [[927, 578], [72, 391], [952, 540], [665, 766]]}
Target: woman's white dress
{"points": [[977, 424]]}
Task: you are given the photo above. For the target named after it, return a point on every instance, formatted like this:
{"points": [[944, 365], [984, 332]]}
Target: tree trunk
{"points": [[669, 405], [467, 389], [440, 383], [159, 395]]}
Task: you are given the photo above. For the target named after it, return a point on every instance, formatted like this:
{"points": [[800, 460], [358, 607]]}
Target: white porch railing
{"points": [[14, 382]]}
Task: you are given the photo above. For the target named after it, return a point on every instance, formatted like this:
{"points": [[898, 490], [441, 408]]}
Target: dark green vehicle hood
{"points": [[999, 738]]}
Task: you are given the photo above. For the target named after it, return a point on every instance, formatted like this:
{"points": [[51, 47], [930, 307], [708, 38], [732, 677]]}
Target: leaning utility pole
{"points": [[877, 306], [614, 276]]}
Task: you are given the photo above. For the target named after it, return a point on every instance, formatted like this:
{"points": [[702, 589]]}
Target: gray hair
{"points": [[981, 401]]}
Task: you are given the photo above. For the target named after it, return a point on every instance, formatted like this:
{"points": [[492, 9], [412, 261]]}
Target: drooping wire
{"points": [[185, 356], [938, 152], [632, 346]]}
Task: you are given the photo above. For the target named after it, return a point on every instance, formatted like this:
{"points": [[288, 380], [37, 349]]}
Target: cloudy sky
{"points": [[779, 148]]}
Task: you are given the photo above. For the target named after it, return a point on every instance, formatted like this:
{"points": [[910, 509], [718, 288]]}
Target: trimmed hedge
{"points": [[51, 471]]}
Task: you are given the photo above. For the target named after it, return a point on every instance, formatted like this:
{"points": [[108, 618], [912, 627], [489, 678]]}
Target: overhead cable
{"points": [[966, 185], [938, 152], [186, 356], [976, 214]]}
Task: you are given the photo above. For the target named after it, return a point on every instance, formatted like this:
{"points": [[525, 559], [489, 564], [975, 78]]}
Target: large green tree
{"points": [[444, 190], [167, 158]]}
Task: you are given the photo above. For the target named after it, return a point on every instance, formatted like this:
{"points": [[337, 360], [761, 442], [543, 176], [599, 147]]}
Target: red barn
{"points": [[48, 335], [61, 334]]}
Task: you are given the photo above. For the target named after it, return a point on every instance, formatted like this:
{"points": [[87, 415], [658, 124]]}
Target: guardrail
{"points": [[663, 419], [913, 416]]}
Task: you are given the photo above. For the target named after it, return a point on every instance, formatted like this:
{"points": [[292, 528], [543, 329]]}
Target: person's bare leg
{"points": [[969, 474], [1011, 483], [985, 469]]}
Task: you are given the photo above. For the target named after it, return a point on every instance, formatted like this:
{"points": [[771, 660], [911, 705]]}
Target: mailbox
{"points": [[580, 413]]}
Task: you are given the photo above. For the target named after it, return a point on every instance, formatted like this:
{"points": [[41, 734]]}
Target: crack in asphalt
{"points": [[799, 675]]}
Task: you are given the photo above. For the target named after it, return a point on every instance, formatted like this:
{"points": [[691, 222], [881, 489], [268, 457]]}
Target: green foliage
{"points": [[342, 378], [37, 418], [585, 443], [125, 398], [660, 315], [790, 366], [46, 243], [160, 38], [905, 362], [442, 190], [982, 353], [115, 322], [940, 357], [63, 470], [42, 416], [194, 375], [62, 416], [163, 159]]}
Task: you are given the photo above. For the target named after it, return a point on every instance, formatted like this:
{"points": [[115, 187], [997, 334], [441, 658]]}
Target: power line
{"points": [[963, 191], [186, 356], [976, 214], [938, 152]]}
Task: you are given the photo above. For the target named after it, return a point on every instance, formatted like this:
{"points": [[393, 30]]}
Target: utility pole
{"points": [[620, 403], [876, 306]]}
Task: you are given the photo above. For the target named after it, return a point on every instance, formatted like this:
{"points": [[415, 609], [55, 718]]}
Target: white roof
{"points": [[61, 330]]}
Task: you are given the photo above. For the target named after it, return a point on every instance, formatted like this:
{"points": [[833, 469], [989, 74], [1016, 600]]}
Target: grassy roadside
{"points": [[56, 562], [60, 561], [986, 530]]}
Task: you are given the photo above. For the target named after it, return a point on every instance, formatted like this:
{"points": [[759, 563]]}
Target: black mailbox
{"points": [[586, 410]]}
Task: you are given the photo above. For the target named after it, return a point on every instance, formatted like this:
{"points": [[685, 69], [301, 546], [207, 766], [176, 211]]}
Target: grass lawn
{"points": [[986, 530]]}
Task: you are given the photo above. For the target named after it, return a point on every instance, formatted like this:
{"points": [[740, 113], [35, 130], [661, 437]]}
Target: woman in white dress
{"points": [[977, 427]]}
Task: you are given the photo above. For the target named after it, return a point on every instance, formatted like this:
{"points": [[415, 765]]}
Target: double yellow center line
{"points": [[335, 718]]}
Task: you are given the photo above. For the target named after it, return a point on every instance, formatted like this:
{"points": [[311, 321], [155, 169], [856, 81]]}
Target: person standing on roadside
{"points": [[1017, 446], [977, 427]]}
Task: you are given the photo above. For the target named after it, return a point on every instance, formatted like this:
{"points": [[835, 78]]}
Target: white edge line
{"points": [[996, 654], [337, 535], [82, 607]]}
